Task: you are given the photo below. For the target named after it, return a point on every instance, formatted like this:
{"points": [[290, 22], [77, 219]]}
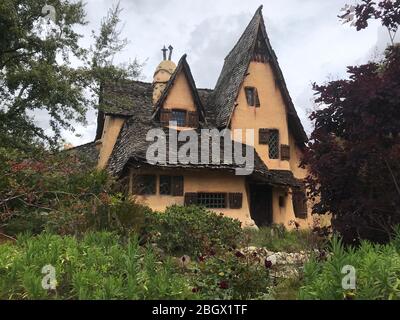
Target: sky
{"points": [[311, 43]]}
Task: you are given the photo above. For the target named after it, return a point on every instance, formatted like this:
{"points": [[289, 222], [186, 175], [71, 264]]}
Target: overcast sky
{"points": [[309, 40]]}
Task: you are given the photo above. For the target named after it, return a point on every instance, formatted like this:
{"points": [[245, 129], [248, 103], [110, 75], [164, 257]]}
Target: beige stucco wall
{"points": [[112, 128], [199, 181], [180, 96], [271, 113], [285, 215]]}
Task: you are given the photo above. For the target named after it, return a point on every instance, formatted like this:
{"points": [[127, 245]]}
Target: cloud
{"points": [[309, 40]]}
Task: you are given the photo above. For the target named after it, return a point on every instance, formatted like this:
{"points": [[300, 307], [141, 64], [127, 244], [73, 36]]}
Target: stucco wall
{"points": [[196, 181], [180, 96], [271, 113], [112, 128]]}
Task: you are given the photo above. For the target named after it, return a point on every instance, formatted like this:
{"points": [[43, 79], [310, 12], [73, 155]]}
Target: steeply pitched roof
{"points": [[182, 66], [233, 73], [133, 100], [125, 98]]}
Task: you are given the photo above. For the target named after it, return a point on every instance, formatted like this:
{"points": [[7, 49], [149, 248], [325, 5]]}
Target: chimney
{"points": [[162, 74]]}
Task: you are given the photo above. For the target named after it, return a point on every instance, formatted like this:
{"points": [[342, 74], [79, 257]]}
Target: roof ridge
{"points": [[258, 13]]}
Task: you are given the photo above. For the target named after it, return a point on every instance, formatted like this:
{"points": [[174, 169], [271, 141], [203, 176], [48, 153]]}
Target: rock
{"points": [[272, 259]]}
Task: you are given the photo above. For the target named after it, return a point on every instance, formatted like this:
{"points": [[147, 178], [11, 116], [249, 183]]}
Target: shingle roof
{"points": [[87, 152], [223, 99], [133, 100], [125, 98]]}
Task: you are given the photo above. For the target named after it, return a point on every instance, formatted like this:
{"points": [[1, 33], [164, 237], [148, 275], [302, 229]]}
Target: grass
{"points": [[278, 239]]}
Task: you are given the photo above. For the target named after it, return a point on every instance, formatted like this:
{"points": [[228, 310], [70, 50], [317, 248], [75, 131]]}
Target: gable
{"points": [[180, 95], [180, 89], [271, 113], [253, 45]]}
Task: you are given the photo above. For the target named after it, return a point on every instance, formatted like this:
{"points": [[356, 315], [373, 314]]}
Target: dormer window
{"points": [[252, 97], [183, 118], [179, 116]]}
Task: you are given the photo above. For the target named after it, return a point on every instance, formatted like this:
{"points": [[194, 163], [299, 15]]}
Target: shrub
{"points": [[96, 267], [194, 230], [106, 213], [377, 272], [231, 275]]}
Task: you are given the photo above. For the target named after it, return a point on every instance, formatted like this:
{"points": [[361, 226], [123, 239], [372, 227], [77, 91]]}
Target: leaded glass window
{"points": [[273, 144]]}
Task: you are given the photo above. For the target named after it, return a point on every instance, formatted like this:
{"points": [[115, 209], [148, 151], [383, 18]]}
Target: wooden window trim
{"points": [[145, 193], [235, 200], [285, 152], [299, 199], [263, 136]]}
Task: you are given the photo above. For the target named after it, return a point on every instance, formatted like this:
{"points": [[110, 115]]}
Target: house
{"points": [[251, 95]]}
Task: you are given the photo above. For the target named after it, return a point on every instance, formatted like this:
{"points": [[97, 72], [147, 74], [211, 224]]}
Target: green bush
{"points": [[278, 238], [96, 267], [108, 213], [231, 275], [377, 272], [194, 230]]}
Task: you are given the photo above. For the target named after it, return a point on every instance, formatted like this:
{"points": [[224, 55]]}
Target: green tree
{"points": [[36, 51]]}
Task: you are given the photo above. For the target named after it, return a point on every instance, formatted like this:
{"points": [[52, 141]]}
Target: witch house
{"points": [[250, 95]]}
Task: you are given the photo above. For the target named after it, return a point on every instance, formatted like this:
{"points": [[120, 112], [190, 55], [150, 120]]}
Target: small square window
{"points": [[145, 184], [179, 116], [165, 185]]}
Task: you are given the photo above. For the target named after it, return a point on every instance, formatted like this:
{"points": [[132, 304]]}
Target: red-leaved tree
{"points": [[354, 150]]}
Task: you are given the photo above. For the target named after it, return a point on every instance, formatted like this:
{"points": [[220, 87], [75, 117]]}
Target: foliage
{"points": [[96, 267], [36, 73], [278, 239], [64, 194], [194, 230], [354, 150], [228, 274], [387, 11], [377, 272]]}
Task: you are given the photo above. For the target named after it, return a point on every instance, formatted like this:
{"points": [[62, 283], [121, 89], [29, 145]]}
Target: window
{"points": [[170, 185], [212, 200], [273, 144], [180, 117], [145, 184], [165, 185], [252, 97]]}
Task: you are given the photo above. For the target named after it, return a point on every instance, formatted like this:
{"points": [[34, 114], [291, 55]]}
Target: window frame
{"points": [[271, 133], [169, 186], [143, 191], [248, 89], [255, 100], [213, 206], [176, 185], [184, 112]]}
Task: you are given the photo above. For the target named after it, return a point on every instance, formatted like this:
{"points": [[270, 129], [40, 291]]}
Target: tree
{"points": [[354, 151], [36, 72]]}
